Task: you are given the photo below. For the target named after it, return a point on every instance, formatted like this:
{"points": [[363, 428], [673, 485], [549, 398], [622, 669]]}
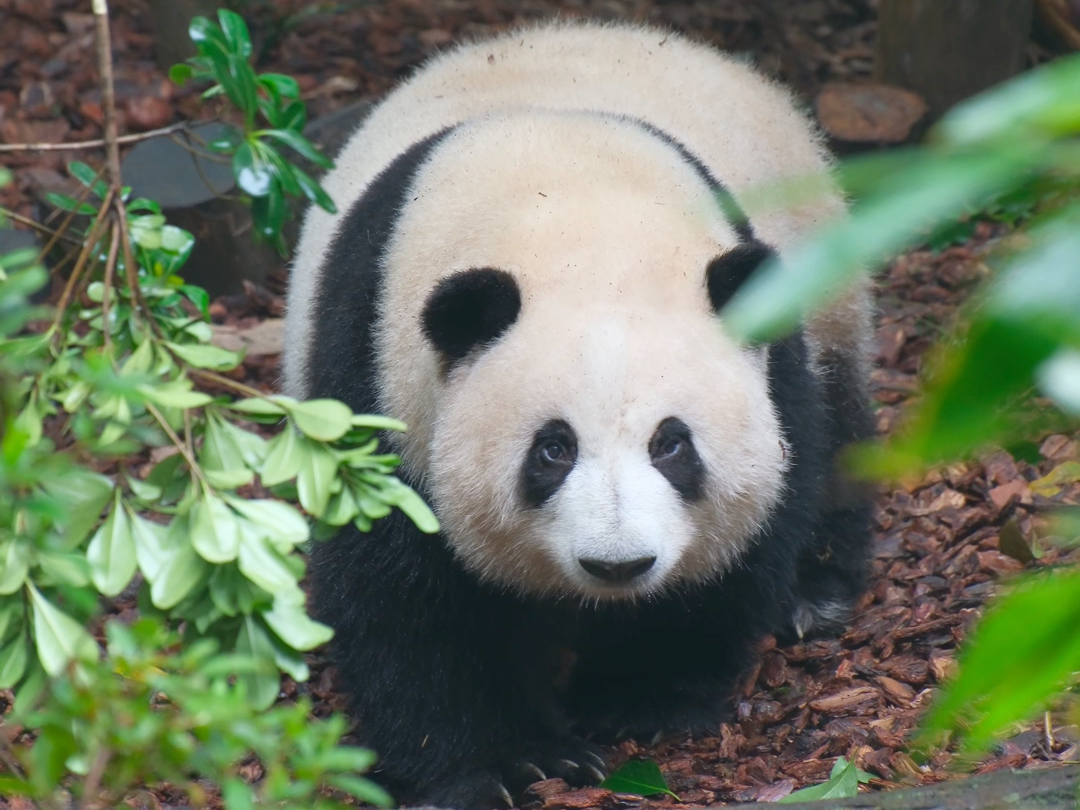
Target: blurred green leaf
{"points": [[59, 639], [236, 32], [843, 783], [641, 777], [111, 552], [1036, 623]]}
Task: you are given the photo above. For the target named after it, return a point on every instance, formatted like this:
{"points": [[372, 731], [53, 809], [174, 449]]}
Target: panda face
{"points": [[549, 332], [625, 459]]}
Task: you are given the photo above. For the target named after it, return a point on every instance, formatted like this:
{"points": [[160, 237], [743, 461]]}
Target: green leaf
{"points": [[292, 625], [361, 788], [206, 356], [83, 494], [180, 73], [58, 638], [66, 203], [843, 783], [259, 406], [287, 453], [63, 568], [236, 32], [278, 522], [300, 144], [1036, 623], [252, 175], [13, 660], [175, 394], [1059, 377], [322, 419], [260, 563], [111, 552], [285, 86], [313, 191], [11, 616], [15, 555], [148, 539], [405, 499], [215, 532], [641, 777], [778, 295], [262, 686], [88, 177], [315, 480], [180, 568]]}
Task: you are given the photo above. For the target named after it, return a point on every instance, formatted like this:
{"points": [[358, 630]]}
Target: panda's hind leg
{"points": [[832, 569]]}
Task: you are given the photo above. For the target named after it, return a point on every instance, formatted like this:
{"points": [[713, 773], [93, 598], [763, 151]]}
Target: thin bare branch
{"points": [[108, 91], [96, 143], [106, 292], [89, 246], [37, 226], [92, 785]]}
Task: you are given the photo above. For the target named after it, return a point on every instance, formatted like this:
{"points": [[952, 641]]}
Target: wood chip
{"points": [[899, 692], [845, 700]]}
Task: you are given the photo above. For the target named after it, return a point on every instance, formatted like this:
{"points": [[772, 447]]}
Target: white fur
{"points": [[741, 125], [608, 232]]}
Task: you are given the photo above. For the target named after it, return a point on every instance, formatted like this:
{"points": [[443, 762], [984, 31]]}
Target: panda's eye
{"points": [[554, 453], [674, 456], [670, 448], [550, 460]]}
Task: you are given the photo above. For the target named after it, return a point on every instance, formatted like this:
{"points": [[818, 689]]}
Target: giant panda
{"points": [[536, 239]]}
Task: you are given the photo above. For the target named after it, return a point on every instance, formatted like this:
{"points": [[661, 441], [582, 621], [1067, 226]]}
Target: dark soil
{"points": [[943, 543]]}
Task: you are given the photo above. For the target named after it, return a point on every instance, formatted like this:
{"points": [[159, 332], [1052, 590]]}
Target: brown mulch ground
{"points": [[942, 543]]}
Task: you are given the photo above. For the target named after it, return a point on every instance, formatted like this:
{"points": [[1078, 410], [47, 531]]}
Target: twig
{"points": [[108, 92], [137, 300], [92, 144], [193, 465], [92, 785], [110, 267], [225, 381], [30, 223], [89, 245]]}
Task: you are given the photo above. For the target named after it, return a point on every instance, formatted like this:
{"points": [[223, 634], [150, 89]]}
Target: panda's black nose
{"points": [[617, 572]]}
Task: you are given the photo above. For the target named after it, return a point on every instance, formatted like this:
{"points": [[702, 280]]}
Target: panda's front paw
{"points": [[571, 759], [577, 762], [651, 719], [475, 790]]}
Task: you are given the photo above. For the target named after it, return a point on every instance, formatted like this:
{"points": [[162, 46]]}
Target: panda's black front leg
{"points": [[448, 679]]}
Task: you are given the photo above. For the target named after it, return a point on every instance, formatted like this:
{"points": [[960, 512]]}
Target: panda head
{"points": [[584, 424]]}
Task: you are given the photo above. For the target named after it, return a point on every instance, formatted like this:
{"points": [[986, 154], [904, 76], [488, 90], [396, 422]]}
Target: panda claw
{"points": [[596, 772], [533, 768], [506, 797], [569, 763], [657, 737], [598, 761]]}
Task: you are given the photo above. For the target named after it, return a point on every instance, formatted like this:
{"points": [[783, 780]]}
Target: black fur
{"points": [[727, 272], [672, 451], [470, 309], [544, 471], [342, 358], [462, 688]]}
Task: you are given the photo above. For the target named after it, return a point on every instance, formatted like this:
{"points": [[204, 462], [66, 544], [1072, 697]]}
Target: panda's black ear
{"points": [[469, 309], [728, 272]]}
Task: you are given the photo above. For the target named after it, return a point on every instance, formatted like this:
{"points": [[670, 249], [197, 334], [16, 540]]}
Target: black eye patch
{"points": [[726, 273], [550, 459], [672, 451], [470, 309]]}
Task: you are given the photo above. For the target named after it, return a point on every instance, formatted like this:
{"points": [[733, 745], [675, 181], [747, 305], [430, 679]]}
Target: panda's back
{"points": [[741, 126]]}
